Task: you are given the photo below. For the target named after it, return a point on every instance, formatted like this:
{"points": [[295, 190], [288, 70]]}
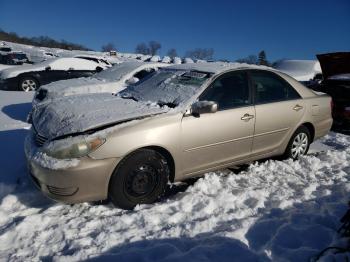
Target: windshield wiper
{"points": [[128, 96]]}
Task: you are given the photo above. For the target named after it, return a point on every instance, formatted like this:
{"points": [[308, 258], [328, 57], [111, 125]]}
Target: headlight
{"points": [[73, 148]]}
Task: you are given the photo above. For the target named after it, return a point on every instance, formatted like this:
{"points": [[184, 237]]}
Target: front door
{"points": [[214, 139]]}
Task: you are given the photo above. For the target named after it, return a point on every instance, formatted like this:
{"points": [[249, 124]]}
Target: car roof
{"points": [[216, 67]]}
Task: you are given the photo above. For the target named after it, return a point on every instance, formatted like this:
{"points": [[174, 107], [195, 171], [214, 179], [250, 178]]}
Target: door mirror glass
{"points": [[203, 107], [132, 80]]}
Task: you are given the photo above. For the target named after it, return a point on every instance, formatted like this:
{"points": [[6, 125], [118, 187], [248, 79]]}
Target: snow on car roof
{"points": [[117, 72], [215, 67], [64, 63]]}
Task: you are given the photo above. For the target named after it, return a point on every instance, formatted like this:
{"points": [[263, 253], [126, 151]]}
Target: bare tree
{"points": [[201, 53], [172, 52], [108, 47], [142, 48], [154, 46]]}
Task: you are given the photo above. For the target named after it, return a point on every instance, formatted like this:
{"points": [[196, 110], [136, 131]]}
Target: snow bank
{"points": [[269, 211], [275, 210]]}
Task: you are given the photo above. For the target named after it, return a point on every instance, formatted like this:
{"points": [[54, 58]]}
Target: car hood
{"points": [[334, 63], [81, 113]]}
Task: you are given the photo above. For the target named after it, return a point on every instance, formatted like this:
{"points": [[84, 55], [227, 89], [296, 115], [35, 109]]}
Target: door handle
{"points": [[247, 117], [297, 107]]}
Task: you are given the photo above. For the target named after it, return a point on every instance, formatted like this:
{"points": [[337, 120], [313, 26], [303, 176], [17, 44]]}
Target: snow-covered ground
{"points": [[273, 210]]}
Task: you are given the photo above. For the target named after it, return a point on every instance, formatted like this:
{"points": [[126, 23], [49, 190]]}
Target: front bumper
{"points": [[87, 181]]}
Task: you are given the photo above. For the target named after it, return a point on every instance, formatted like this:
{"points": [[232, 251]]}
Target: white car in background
{"points": [[111, 80], [31, 77], [301, 70], [103, 62]]}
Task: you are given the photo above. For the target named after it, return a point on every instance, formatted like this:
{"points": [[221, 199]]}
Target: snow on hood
{"points": [[301, 70], [80, 113], [111, 80]]}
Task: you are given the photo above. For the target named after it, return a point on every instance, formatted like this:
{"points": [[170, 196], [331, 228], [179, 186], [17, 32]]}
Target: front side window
{"points": [[270, 88], [229, 91]]}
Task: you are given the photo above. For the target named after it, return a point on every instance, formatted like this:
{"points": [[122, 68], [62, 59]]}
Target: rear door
{"points": [[213, 139], [278, 108]]}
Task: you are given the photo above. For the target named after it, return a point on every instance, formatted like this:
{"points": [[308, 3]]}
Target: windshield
{"points": [[166, 87]]}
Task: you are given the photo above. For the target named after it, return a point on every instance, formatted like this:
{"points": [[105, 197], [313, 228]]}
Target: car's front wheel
{"points": [[140, 178], [28, 84], [299, 143]]}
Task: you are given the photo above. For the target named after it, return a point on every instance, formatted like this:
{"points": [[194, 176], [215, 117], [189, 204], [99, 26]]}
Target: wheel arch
{"points": [[21, 76], [311, 129], [163, 151]]}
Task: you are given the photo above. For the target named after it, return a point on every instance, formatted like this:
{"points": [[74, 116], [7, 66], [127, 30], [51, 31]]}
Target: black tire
{"points": [[30, 82], [140, 178], [301, 133]]}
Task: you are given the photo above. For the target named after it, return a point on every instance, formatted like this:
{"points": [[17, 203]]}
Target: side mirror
{"points": [[203, 107], [132, 80], [48, 68]]}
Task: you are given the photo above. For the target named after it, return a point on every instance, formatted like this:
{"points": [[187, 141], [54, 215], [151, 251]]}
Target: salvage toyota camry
{"points": [[180, 122]]}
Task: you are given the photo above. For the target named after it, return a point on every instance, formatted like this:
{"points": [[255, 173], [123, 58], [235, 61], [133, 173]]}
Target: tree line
{"points": [[151, 48], [44, 41]]}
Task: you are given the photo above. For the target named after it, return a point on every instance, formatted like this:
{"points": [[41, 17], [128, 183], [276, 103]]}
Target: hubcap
{"points": [[28, 85], [299, 145], [141, 181]]}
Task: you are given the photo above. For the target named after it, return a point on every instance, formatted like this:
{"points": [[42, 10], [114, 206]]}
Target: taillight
{"points": [[332, 105]]}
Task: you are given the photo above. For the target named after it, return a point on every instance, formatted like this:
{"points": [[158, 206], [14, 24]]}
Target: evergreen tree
{"points": [[262, 58]]}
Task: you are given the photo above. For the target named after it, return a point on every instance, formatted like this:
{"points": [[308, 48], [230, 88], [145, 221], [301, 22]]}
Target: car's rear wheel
{"points": [[299, 143], [28, 84], [140, 178]]}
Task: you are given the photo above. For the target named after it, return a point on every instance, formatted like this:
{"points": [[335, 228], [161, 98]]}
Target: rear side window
{"points": [[229, 91], [271, 88]]}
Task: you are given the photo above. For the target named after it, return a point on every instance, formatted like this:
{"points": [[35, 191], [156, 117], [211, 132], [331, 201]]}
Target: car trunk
{"points": [[334, 63]]}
